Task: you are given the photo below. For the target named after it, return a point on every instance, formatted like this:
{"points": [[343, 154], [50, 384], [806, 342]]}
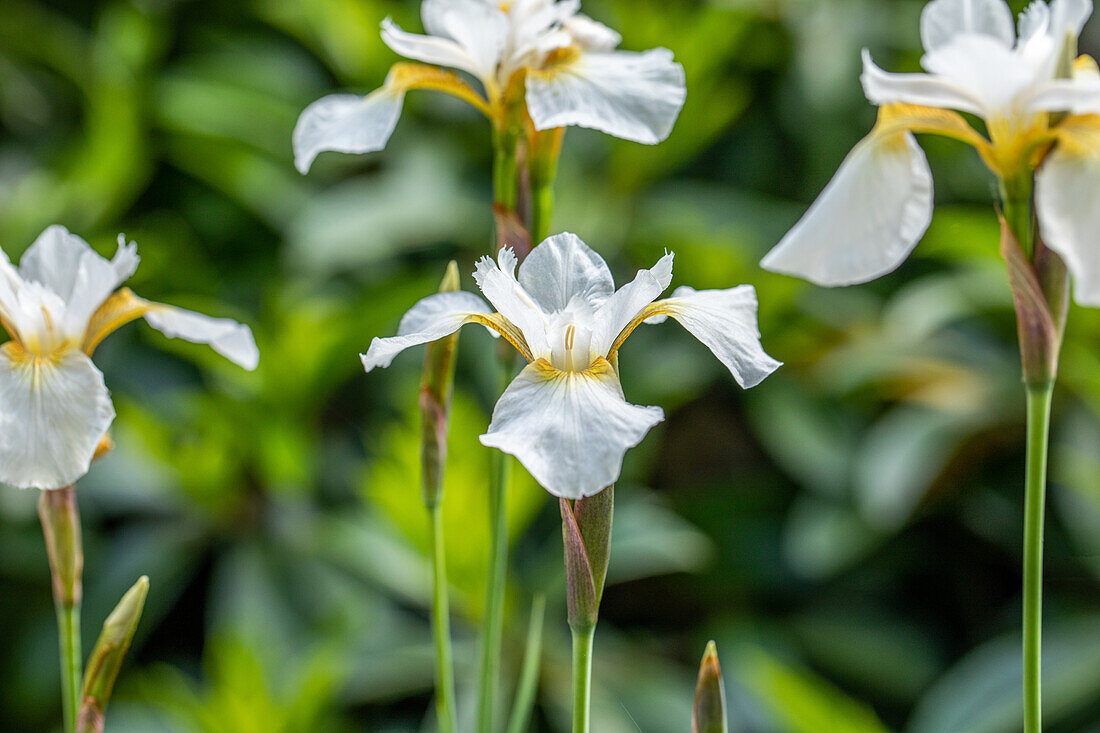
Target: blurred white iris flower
{"points": [[57, 306], [565, 416], [1038, 106], [542, 54]]}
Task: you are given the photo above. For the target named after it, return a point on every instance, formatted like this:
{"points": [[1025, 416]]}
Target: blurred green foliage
{"points": [[849, 531]]}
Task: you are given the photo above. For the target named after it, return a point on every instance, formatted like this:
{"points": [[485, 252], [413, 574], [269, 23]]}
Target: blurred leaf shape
{"points": [[981, 694]]}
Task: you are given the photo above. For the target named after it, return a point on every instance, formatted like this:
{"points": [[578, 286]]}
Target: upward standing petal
{"points": [[942, 20], [635, 96], [882, 87], [563, 268], [867, 220], [570, 430], [498, 283]]}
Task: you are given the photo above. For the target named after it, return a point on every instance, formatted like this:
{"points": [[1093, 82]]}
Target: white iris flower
{"points": [[879, 203], [565, 417], [562, 65], [57, 306]]}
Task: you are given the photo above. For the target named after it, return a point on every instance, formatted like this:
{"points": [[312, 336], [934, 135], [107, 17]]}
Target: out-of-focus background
{"points": [[849, 531]]}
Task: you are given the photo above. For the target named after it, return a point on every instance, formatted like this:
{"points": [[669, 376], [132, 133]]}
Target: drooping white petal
{"points": [[866, 221], [725, 320], [943, 20], [882, 87], [563, 268], [628, 301], [634, 96], [498, 283], [1067, 189], [429, 320], [53, 412], [232, 340], [434, 49], [570, 430], [346, 123]]}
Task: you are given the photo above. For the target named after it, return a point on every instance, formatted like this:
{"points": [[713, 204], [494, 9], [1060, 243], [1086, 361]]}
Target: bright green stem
{"points": [[441, 629], [1016, 199], [505, 169], [492, 624], [582, 676], [1038, 430], [529, 676], [68, 630], [60, 517]]}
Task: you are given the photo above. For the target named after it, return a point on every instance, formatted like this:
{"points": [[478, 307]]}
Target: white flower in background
{"points": [[879, 203], [565, 417], [564, 65], [57, 306]]}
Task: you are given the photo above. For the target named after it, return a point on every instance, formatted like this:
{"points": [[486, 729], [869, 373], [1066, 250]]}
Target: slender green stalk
{"points": [[582, 676], [505, 168], [492, 625], [441, 629], [1038, 430], [529, 677], [68, 631], [1016, 199], [57, 510]]}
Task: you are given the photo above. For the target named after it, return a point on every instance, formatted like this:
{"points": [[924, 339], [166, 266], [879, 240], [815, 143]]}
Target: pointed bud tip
{"points": [[710, 656], [451, 281]]}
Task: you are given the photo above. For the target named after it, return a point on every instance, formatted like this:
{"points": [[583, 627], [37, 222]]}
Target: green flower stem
{"points": [[1038, 431], [543, 170], [582, 676], [57, 510], [492, 624], [505, 168], [441, 629], [1016, 199], [529, 676]]}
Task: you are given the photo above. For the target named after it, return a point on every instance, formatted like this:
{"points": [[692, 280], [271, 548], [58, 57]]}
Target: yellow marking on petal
{"points": [[406, 76], [105, 446], [599, 369], [115, 312], [664, 307], [1079, 135], [505, 328], [1085, 64], [893, 119], [558, 61]]}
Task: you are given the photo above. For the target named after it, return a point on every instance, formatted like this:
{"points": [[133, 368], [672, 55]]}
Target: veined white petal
{"points": [[432, 49], [866, 221], [431, 319], [942, 20], [591, 35], [53, 413], [570, 430], [628, 301], [498, 283], [481, 29], [563, 268], [725, 321], [1067, 188], [634, 96], [882, 87], [346, 123], [232, 340]]}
